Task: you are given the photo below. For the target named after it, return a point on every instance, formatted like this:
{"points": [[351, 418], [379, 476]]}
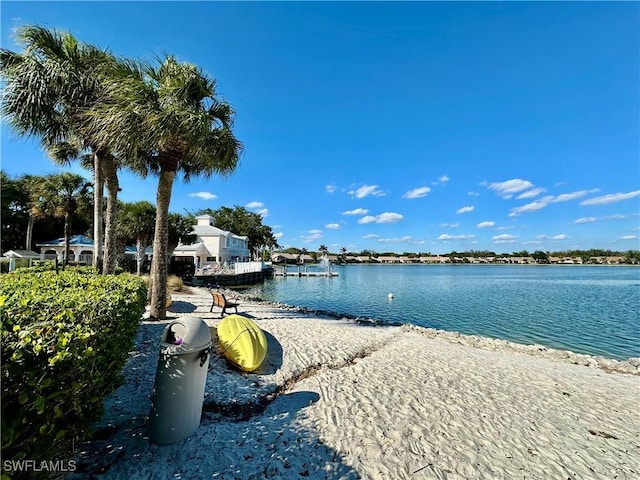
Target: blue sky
{"points": [[398, 126]]}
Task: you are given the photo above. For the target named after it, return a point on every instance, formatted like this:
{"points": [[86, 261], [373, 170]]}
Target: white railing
{"points": [[85, 257], [248, 267]]}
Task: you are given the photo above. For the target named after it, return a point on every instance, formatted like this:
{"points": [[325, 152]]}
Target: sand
{"points": [[340, 399]]}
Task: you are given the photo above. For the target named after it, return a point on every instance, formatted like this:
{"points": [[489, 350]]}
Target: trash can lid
{"points": [[186, 334]]}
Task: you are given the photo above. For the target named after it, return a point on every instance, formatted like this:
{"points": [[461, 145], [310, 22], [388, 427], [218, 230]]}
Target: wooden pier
{"points": [[306, 274], [284, 272]]}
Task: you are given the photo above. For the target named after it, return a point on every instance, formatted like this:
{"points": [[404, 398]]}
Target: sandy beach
{"points": [[340, 399]]}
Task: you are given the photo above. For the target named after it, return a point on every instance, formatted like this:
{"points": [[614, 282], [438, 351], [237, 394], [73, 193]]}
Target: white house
{"points": [[213, 246], [80, 249]]}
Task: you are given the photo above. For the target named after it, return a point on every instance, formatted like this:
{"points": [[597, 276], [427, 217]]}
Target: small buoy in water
{"points": [[390, 296]]}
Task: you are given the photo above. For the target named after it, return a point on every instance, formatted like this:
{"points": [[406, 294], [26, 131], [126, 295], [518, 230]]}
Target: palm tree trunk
{"points": [[160, 244], [140, 255], [98, 218], [29, 233], [110, 244], [67, 239]]}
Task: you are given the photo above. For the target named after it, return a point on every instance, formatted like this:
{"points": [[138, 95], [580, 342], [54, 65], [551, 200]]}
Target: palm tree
{"points": [[62, 195], [137, 220], [323, 249], [47, 89], [167, 120]]}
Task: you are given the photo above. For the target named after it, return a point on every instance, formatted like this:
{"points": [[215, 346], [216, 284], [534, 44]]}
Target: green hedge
{"points": [[65, 339]]}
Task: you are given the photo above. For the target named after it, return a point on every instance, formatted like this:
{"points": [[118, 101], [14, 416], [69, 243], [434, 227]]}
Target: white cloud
{"points": [[510, 187], [370, 235], [441, 180], [565, 197], [263, 212], [278, 235], [534, 192], [610, 198], [387, 217], [486, 224], [585, 220], [627, 237], [450, 225], [332, 226], [367, 219], [366, 190], [405, 239], [312, 236], [255, 205], [417, 192], [446, 236], [357, 211], [504, 238], [204, 195], [330, 188], [561, 236], [532, 207], [473, 194], [465, 209]]}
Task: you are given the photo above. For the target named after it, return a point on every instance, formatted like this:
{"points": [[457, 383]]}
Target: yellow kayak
{"points": [[242, 342]]}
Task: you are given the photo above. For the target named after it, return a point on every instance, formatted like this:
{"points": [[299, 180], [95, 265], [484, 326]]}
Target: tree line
{"points": [[630, 256], [38, 208], [85, 104]]}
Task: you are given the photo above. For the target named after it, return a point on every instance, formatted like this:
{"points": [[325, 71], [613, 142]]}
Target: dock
{"points": [[305, 274], [282, 271]]}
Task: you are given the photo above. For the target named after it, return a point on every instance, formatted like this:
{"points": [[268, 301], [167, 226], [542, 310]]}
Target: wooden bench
{"points": [[219, 300]]}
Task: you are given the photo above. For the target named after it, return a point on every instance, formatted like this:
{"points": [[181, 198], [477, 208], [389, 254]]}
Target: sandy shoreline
{"points": [[338, 399]]}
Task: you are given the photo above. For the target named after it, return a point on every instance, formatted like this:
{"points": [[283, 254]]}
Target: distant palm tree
{"points": [[61, 195], [47, 89], [323, 250], [31, 185], [167, 120], [137, 220]]}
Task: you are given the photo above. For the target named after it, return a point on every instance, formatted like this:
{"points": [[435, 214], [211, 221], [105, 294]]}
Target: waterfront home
{"points": [[388, 259], [436, 259], [615, 260], [522, 260], [213, 246], [291, 258], [80, 249]]}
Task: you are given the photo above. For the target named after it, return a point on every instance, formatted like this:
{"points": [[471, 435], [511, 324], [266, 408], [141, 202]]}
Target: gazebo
{"points": [[21, 258]]}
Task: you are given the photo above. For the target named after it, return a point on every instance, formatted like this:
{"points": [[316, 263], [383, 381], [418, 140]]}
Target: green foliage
{"points": [[65, 338], [540, 256]]}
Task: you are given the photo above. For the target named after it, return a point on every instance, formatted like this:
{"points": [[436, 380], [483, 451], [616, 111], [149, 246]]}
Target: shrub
{"points": [[65, 338], [175, 283]]}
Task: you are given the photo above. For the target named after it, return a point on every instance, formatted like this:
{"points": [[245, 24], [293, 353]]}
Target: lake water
{"points": [[592, 310]]}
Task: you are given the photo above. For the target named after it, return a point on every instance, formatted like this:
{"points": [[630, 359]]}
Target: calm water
{"points": [[592, 310]]}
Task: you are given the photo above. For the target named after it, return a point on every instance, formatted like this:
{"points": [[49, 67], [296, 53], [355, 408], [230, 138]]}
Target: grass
{"points": [[174, 283]]}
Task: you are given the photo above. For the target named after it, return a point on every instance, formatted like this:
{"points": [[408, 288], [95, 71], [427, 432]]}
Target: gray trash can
{"points": [[176, 404]]}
